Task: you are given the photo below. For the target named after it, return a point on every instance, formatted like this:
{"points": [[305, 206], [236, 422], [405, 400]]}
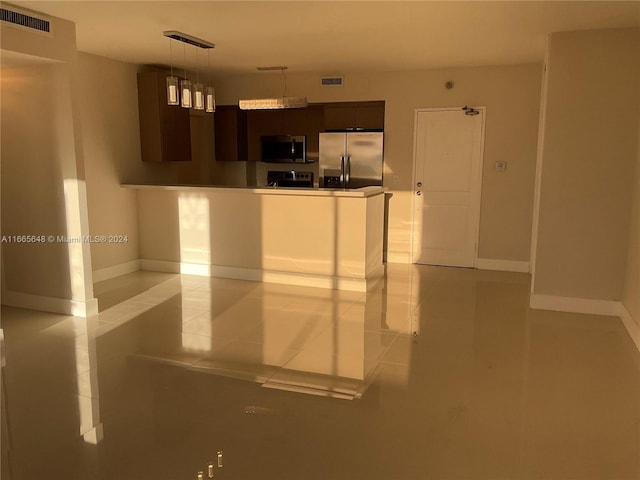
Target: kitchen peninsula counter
{"points": [[316, 237], [306, 192]]}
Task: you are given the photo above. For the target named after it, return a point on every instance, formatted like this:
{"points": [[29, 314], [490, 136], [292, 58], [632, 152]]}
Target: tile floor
{"points": [[438, 373]]}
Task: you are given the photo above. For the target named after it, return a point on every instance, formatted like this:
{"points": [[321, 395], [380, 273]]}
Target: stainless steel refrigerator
{"points": [[350, 159]]}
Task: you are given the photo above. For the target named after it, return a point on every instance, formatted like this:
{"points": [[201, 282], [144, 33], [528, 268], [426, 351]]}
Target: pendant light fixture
{"points": [[188, 95], [277, 102], [210, 94], [172, 83], [185, 84], [198, 89]]}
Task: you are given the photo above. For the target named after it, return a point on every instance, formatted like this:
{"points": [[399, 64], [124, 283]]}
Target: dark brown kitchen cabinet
{"points": [[165, 133], [307, 121], [354, 116], [230, 126]]}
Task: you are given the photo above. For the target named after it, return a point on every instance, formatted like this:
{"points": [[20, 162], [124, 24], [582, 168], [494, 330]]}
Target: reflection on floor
{"points": [[437, 373]]}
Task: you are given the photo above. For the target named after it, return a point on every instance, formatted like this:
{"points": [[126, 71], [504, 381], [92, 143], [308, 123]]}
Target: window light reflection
{"points": [[195, 259], [87, 377]]}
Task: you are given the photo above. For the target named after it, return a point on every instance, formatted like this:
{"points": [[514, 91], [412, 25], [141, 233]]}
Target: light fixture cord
{"points": [[208, 70], [197, 67], [170, 58]]}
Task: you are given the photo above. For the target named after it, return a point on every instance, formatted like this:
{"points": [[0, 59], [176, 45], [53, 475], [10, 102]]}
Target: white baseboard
{"points": [[115, 271], [64, 306], [632, 327], [502, 265], [255, 275], [574, 305], [481, 263], [588, 306]]}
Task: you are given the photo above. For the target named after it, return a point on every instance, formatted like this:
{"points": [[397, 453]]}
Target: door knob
{"points": [[419, 184], [418, 193]]}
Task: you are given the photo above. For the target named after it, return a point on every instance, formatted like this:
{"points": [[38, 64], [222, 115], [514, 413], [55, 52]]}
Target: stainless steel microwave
{"points": [[283, 149]]}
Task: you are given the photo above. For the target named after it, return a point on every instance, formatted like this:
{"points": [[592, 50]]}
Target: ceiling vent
{"points": [[333, 81], [25, 20]]}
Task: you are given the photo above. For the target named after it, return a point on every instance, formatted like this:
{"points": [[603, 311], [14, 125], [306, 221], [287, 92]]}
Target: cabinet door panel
{"points": [[354, 116], [339, 117], [294, 121], [370, 117], [165, 134], [314, 125], [230, 133]]}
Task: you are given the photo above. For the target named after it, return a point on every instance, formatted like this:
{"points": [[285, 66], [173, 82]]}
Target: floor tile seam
{"points": [[128, 306], [395, 364], [384, 351], [218, 336], [308, 340], [364, 357], [164, 360]]}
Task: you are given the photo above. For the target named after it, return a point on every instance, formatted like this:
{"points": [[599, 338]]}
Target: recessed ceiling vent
{"points": [[25, 21], [334, 81]]}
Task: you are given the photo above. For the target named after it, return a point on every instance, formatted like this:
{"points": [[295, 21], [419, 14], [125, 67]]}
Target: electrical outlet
{"points": [[500, 166]]}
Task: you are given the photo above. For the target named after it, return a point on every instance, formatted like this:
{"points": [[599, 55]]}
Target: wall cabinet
{"points": [[165, 133], [307, 121], [354, 116], [230, 125], [238, 132]]}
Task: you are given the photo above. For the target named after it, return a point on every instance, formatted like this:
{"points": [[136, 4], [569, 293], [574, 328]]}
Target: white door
{"points": [[448, 161]]}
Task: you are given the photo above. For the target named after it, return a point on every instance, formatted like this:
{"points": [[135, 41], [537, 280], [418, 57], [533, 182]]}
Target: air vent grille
{"points": [[25, 20], [332, 81]]}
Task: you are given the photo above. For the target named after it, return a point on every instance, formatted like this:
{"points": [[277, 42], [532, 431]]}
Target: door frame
{"points": [[414, 220]]}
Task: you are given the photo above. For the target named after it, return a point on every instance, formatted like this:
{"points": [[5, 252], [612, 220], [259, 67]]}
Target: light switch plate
{"points": [[500, 166]]}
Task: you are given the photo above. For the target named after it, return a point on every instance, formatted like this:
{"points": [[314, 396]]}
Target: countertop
{"points": [[306, 192]]}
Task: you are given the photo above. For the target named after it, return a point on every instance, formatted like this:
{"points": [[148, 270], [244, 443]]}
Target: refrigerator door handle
{"points": [[348, 179], [343, 176]]}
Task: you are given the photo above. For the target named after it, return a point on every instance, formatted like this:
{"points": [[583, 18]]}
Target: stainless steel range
{"points": [[289, 178]]}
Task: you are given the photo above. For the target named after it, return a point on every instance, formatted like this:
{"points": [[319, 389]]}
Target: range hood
{"points": [[277, 102]]}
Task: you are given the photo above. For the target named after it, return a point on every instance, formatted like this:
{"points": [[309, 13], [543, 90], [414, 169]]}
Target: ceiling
{"points": [[333, 37]]}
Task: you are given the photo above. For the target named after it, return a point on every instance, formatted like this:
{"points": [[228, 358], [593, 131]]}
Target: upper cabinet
{"points": [[230, 124], [354, 116], [238, 132], [165, 133], [307, 121]]}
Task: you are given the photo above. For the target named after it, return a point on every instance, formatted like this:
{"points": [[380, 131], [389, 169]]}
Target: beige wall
{"points": [[111, 141], [32, 184], [112, 149], [588, 157], [43, 189], [511, 95], [631, 294]]}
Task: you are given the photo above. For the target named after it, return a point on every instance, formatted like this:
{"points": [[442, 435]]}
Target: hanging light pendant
{"points": [[182, 92], [185, 90], [210, 98], [198, 96], [172, 83], [185, 84], [198, 89]]}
